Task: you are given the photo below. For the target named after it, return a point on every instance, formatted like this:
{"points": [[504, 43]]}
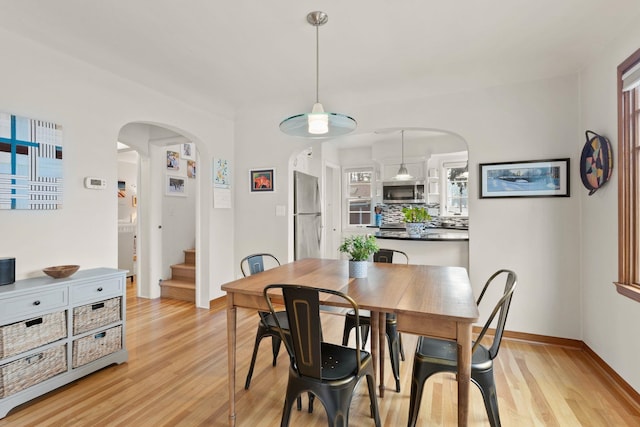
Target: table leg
{"points": [[464, 371], [231, 357], [381, 343], [375, 326]]}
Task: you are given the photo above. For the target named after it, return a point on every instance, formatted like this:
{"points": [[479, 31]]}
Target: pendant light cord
{"points": [[317, 62], [402, 135]]}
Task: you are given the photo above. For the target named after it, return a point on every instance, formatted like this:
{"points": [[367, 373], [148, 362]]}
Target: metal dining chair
{"points": [[254, 264], [394, 338], [329, 371], [435, 355], [268, 326]]}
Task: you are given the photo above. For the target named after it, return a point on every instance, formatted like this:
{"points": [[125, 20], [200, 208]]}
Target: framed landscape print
{"points": [[530, 178], [262, 180]]}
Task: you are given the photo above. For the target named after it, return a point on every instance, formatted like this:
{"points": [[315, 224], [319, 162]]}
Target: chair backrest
{"points": [[302, 304], [386, 255], [255, 263], [501, 309]]}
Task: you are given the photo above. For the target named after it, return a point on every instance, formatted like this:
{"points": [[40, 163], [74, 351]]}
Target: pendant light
{"points": [[318, 123], [403, 173]]}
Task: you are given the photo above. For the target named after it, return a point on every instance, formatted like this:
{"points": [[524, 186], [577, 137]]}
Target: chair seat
{"points": [[339, 361], [270, 321], [443, 352]]}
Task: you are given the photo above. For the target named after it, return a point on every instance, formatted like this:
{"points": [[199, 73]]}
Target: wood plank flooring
{"points": [[177, 376]]}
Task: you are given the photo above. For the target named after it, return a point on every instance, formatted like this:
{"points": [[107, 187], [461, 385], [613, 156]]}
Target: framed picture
{"points": [[187, 151], [173, 160], [221, 173], [531, 178], [122, 189], [176, 186], [262, 180], [191, 169]]}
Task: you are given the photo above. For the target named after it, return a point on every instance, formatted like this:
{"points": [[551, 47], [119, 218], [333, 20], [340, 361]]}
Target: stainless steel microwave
{"points": [[403, 192]]}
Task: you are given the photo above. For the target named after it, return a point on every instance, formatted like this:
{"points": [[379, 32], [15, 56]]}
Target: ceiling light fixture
{"points": [[318, 123], [403, 173]]}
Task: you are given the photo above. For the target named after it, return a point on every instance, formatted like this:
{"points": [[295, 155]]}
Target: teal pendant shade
{"points": [[318, 123], [298, 125]]}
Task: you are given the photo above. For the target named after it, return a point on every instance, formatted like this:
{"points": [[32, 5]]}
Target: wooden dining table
{"points": [[428, 300]]}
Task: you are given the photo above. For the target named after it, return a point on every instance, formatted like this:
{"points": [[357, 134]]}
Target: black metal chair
{"points": [[394, 338], [266, 328], [328, 371], [435, 355]]}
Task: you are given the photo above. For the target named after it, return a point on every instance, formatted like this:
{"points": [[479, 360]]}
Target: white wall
{"points": [[92, 106], [610, 321], [536, 237]]}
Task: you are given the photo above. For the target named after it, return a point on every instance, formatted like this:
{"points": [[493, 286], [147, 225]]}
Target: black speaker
{"points": [[7, 271]]}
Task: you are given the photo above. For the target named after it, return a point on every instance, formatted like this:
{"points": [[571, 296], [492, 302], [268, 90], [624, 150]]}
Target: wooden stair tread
{"points": [[184, 265], [182, 284], [177, 283]]}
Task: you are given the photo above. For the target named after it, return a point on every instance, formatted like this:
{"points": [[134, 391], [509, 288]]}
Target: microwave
{"points": [[403, 192]]}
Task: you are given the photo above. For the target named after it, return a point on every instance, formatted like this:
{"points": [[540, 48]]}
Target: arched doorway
{"points": [[166, 198]]}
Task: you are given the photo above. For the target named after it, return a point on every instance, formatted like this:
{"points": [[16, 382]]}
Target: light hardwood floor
{"points": [[177, 376]]}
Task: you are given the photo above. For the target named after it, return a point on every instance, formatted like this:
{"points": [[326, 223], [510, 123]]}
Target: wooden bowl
{"points": [[61, 271]]}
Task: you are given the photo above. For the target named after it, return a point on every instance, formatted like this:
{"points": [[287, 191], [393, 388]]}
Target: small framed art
{"points": [[176, 186], [262, 180]]}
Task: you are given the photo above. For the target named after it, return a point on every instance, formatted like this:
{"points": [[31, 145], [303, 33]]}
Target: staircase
{"points": [[182, 284]]}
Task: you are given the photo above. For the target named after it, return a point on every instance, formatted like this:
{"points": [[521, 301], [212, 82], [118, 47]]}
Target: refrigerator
{"points": [[307, 218]]}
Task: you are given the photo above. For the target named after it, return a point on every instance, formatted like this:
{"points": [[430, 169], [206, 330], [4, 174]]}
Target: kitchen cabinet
{"points": [[55, 331]]}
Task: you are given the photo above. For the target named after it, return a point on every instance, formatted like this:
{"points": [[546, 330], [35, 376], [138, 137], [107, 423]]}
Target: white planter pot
{"points": [[414, 229], [358, 269]]}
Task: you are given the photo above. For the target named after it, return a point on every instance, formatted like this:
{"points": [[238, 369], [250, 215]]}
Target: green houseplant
{"points": [[414, 218], [359, 248]]}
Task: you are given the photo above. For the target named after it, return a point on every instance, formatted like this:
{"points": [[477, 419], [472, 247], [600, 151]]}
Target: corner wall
{"points": [[610, 321]]}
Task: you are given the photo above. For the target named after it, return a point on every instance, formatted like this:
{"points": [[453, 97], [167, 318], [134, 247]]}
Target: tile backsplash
{"points": [[392, 214]]}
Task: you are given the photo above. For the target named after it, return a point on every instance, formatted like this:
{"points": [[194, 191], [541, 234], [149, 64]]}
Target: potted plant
{"points": [[414, 218], [359, 247]]}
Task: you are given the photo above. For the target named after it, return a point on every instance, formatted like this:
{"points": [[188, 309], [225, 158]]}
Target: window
{"points": [[629, 177], [358, 196], [456, 188]]}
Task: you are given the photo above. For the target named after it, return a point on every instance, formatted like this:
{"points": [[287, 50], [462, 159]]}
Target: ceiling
{"points": [[236, 54]]}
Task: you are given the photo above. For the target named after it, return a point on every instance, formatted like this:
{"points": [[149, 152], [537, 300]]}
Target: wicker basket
{"points": [[97, 345], [22, 336], [31, 370], [96, 315]]}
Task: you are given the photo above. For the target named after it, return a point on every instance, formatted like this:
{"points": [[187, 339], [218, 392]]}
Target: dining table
{"points": [[428, 300]]}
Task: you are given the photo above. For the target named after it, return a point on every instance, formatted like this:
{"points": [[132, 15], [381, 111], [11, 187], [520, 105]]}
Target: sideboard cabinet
{"points": [[54, 331]]}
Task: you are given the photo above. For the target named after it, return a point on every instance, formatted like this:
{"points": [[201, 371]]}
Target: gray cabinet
{"points": [[54, 331]]}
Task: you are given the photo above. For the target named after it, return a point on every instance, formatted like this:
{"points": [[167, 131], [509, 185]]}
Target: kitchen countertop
{"points": [[430, 234]]}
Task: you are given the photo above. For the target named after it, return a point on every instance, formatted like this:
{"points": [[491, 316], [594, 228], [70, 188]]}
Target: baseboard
{"points": [[626, 392], [218, 304]]}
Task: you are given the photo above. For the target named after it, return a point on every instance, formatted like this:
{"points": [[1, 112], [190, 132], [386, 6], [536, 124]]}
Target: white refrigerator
{"points": [[307, 216]]}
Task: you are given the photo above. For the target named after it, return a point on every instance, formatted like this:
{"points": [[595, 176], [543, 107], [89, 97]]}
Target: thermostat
{"points": [[95, 183]]}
